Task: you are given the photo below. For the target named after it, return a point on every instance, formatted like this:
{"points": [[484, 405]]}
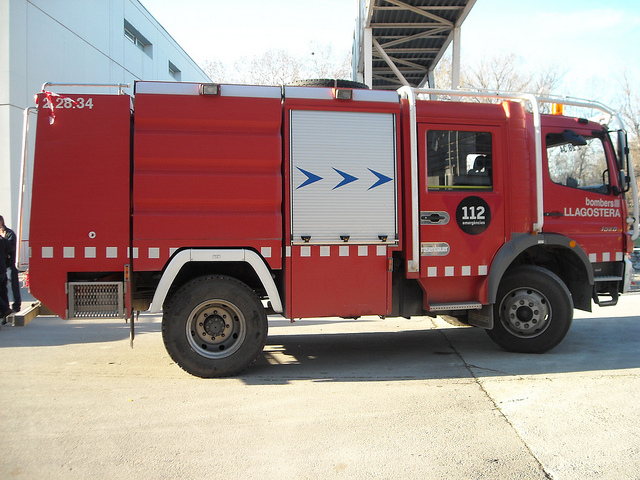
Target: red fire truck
{"points": [[220, 204]]}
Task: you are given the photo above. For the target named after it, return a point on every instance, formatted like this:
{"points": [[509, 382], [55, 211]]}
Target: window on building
{"points": [[174, 71], [134, 36], [459, 160]]}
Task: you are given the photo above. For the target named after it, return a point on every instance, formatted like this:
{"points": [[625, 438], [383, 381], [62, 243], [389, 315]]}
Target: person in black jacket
{"points": [[4, 300], [10, 237]]}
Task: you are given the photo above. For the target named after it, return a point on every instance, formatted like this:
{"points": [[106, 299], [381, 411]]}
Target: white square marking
{"points": [[448, 271], [112, 252], [482, 270], [154, 252], [266, 252], [606, 256], [47, 252], [68, 252], [287, 251], [325, 251], [89, 252], [432, 271], [381, 250], [593, 257], [344, 250], [305, 251], [466, 271], [363, 250]]}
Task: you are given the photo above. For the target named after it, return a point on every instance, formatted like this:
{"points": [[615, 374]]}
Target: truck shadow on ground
{"points": [[593, 344], [596, 344], [48, 331]]}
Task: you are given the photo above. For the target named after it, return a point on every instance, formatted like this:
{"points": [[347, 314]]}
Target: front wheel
{"points": [[214, 326], [533, 312]]}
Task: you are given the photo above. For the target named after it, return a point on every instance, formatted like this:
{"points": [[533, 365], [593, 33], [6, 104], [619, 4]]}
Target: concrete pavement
{"points": [[383, 399]]}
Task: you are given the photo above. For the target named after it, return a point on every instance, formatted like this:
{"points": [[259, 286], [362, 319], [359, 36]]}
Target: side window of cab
{"points": [[459, 160], [577, 161]]}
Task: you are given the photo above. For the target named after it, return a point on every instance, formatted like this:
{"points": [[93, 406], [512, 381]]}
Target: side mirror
{"points": [[624, 181], [622, 156]]}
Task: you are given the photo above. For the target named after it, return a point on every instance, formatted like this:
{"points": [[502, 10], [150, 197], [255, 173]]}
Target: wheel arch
{"points": [[557, 253], [252, 263]]}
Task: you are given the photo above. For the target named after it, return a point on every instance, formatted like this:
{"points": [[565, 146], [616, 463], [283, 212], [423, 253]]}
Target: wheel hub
{"points": [[525, 313], [216, 329], [214, 325]]}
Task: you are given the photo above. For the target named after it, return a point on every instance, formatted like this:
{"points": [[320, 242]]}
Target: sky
{"points": [[592, 42]]}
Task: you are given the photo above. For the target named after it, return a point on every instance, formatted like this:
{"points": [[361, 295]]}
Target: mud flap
{"points": [[628, 274], [482, 318]]}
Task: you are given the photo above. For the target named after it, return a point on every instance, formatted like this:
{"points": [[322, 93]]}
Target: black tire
{"points": [[214, 326], [533, 312], [328, 82]]}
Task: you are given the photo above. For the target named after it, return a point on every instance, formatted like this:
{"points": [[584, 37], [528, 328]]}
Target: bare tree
{"points": [[324, 63], [216, 71], [505, 72], [443, 73], [500, 72], [274, 67], [630, 107], [630, 112], [277, 67]]}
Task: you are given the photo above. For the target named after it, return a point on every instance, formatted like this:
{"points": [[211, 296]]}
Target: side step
{"points": [[613, 294]]}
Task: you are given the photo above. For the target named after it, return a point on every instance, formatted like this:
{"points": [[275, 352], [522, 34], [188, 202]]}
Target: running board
{"points": [[439, 307], [479, 315], [612, 278]]}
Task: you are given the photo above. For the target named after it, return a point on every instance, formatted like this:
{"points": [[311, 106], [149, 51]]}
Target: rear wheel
{"points": [[214, 326], [533, 312]]}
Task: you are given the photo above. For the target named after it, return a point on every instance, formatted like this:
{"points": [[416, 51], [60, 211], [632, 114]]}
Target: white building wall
{"points": [[72, 41]]}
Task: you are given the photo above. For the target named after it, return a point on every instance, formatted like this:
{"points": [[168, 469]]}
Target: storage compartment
{"points": [[343, 172]]}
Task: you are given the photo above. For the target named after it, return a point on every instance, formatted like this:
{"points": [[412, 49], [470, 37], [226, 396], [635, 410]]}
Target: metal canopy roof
{"points": [[399, 42]]}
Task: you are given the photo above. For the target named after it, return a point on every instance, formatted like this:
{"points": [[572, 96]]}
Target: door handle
{"points": [[434, 218], [553, 214]]}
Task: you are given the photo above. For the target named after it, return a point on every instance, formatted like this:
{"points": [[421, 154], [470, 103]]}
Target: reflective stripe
{"points": [[112, 252]]}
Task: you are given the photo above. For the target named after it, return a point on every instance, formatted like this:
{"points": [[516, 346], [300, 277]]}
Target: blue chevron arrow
{"points": [[382, 179], [347, 179], [311, 178]]}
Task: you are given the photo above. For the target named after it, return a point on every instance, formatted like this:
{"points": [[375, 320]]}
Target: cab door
{"points": [[582, 198], [462, 212]]}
